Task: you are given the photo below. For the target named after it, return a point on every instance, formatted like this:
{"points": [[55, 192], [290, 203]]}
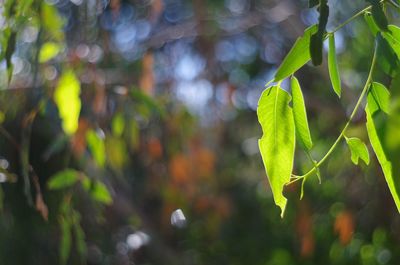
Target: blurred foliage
{"points": [[114, 114]]}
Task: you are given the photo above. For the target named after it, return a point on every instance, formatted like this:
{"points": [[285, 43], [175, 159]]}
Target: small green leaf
{"points": [[316, 48], [277, 144], [386, 165], [378, 15], [333, 66], [298, 56], [48, 51], [393, 38], [118, 124], [371, 23], [300, 116], [317, 38], [98, 191], [358, 150], [97, 147], [386, 57], [63, 179], [68, 101], [378, 98]]}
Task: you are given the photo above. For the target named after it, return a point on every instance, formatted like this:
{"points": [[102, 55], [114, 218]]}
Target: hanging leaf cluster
{"points": [[283, 115]]}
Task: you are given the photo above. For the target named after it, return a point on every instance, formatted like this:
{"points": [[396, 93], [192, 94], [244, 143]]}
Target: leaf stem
{"points": [[341, 135], [356, 15]]}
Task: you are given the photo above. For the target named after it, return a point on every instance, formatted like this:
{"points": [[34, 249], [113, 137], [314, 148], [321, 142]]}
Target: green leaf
{"points": [[378, 15], [358, 150], [118, 124], [63, 179], [68, 101], [298, 56], [52, 22], [378, 98], [79, 235], [316, 48], [65, 243], [371, 23], [386, 57], [48, 51], [393, 38], [277, 144], [386, 165], [9, 52], [98, 191], [97, 147], [333, 66], [317, 38], [148, 101], [300, 116]]}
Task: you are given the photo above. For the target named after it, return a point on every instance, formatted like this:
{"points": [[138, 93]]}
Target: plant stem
{"points": [[341, 135], [356, 15]]}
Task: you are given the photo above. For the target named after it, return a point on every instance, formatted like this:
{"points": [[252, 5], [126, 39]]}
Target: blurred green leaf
{"points": [[97, 147], [97, 190], [278, 141], [148, 101], [118, 124], [358, 150], [48, 51], [79, 235], [378, 98], [9, 52], [298, 56], [300, 115], [116, 152], [67, 98], [65, 243], [52, 21], [63, 179], [333, 66]]}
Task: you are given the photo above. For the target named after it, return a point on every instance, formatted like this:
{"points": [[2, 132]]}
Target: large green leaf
{"points": [[333, 67], [358, 150], [298, 56], [378, 98], [300, 116], [63, 179], [68, 101], [376, 140], [277, 144]]}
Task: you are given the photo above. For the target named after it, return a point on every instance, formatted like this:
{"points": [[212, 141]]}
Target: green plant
{"points": [[283, 116]]}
